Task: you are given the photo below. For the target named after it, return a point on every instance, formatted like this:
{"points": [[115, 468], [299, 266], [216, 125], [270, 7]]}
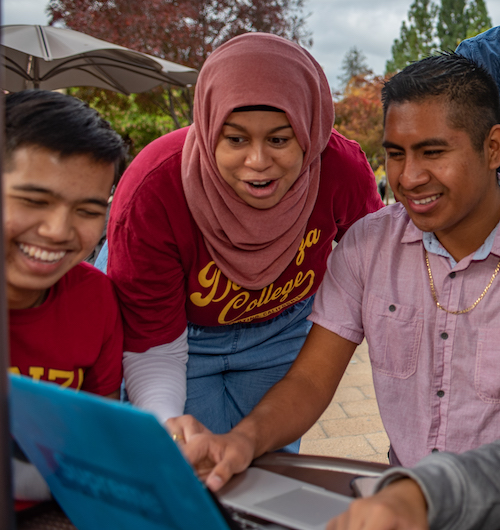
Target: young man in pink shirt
{"points": [[417, 279]]}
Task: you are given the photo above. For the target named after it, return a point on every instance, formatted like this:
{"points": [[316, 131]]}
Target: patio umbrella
{"points": [[51, 58]]}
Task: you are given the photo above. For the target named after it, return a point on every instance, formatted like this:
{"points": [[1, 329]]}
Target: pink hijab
{"points": [[252, 247]]}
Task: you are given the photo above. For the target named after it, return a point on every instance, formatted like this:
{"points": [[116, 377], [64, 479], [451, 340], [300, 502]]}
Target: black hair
{"points": [[59, 123], [468, 90]]}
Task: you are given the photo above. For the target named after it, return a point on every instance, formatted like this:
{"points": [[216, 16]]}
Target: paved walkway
{"points": [[351, 426]]}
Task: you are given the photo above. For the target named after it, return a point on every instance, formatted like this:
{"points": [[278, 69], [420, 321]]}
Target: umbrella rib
{"points": [[159, 76], [112, 62], [103, 78], [66, 65], [14, 67], [120, 87], [41, 34]]}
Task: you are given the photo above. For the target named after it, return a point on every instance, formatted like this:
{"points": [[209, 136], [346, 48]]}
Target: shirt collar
{"points": [[431, 243], [491, 245]]}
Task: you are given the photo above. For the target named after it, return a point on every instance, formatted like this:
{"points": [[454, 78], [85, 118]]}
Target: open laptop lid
{"points": [[128, 475]]}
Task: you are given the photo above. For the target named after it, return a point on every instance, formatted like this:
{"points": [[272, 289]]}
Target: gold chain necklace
{"points": [[434, 296]]}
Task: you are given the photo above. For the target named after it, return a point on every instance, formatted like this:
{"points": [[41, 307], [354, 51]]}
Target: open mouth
{"points": [[260, 184], [36, 253]]}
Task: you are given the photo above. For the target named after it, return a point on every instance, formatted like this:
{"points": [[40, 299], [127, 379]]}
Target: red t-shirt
{"points": [[160, 265], [75, 338]]}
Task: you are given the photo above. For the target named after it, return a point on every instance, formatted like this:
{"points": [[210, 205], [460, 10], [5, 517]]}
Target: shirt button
{"points": [[453, 274], [392, 308], [440, 393], [435, 450], [444, 335]]}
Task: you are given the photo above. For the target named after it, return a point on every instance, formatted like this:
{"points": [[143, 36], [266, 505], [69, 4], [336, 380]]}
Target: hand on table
{"points": [[399, 506]]}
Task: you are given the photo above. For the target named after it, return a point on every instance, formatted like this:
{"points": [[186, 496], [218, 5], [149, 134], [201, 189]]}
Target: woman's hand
{"points": [[399, 506], [215, 457], [182, 428]]}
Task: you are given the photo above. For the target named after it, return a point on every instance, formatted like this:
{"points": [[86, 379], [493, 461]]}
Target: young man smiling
{"points": [[417, 279], [60, 161]]}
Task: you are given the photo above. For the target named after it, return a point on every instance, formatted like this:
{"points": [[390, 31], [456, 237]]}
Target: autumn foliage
{"points": [[359, 115], [183, 31]]}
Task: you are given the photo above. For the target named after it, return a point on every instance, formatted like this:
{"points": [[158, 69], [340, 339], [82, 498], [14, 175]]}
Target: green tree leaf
{"points": [[417, 39], [431, 27], [459, 20]]}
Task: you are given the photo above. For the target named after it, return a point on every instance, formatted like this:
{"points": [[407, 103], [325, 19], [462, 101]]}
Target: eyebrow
{"points": [[37, 189], [241, 128], [429, 142]]}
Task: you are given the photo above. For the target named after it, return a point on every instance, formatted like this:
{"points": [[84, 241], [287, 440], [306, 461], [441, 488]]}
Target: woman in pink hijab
{"points": [[219, 232]]}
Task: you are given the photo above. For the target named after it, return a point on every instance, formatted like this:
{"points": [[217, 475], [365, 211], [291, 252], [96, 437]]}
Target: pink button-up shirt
{"points": [[436, 375]]}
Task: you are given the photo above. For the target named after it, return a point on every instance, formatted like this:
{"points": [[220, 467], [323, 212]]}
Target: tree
{"points": [[183, 31], [479, 20], [417, 39], [359, 115], [353, 64], [138, 118], [452, 23], [431, 28], [459, 20]]}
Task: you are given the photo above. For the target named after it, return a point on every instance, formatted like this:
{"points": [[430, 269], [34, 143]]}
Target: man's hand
{"points": [[287, 411], [217, 457], [399, 506]]}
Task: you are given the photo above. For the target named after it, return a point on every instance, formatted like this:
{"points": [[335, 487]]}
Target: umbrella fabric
{"points": [[50, 58]]}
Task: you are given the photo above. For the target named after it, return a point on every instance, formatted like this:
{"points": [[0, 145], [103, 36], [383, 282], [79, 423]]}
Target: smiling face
{"points": [[446, 186], [258, 155], [55, 210]]}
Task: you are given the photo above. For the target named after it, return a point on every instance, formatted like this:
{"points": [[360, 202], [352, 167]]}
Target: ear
{"points": [[493, 146]]}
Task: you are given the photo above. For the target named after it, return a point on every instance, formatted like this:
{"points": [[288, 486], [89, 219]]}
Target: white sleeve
{"points": [[28, 483], [156, 379]]}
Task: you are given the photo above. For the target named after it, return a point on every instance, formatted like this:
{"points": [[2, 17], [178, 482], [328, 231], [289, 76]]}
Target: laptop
{"points": [[110, 465], [290, 502]]}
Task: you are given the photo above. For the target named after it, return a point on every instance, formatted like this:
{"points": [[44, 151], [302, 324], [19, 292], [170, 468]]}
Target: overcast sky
{"points": [[337, 26]]}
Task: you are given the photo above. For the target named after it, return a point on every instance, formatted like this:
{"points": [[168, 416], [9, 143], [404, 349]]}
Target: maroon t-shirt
{"points": [[161, 267], [74, 338]]}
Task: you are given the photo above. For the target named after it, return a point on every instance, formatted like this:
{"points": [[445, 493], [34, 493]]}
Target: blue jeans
{"points": [[230, 368]]}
